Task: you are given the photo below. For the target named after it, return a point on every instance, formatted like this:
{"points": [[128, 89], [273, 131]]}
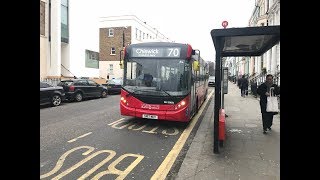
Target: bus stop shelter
{"points": [[233, 42]]}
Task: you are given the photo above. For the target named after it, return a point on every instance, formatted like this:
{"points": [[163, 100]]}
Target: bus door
{"points": [[193, 92]]}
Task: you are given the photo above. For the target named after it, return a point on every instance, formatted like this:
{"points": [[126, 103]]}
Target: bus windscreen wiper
{"points": [[164, 92]]}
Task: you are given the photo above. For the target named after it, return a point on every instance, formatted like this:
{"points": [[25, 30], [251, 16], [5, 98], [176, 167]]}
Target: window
{"points": [[92, 56], [136, 33], [147, 36], [81, 83], [64, 21], [113, 51], [111, 68], [44, 85], [111, 32], [140, 34], [42, 18], [91, 59], [92, 83], [143, 35]]}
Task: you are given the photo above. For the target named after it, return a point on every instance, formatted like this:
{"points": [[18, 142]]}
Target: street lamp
{"points": [[123, 36], [123, 46]]}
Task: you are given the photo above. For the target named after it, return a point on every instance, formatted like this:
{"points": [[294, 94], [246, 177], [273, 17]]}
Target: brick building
{"points": [[116, 32]]}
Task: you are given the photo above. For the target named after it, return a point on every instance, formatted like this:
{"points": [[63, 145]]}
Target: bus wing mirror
{"points": [[196, 65], [121, 64]]}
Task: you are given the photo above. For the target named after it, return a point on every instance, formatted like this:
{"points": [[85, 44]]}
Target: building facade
{"points": [[64, 50], [265, 13], [115, 33]]}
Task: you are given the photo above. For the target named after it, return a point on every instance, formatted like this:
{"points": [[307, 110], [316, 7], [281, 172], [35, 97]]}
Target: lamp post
{"points": [[123, 44], [123, 37]]}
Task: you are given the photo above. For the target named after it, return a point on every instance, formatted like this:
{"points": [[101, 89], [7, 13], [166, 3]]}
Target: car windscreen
{"points": [[115, 82]]}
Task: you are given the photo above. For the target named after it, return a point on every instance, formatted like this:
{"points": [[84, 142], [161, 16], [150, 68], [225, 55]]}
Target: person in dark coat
{"points": [[244, 83], [264, 91], [239, 82]]}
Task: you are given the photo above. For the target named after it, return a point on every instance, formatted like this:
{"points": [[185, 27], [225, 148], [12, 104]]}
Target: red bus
{"points": [[163, 81]]}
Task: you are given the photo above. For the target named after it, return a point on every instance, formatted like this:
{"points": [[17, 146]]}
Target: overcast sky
{"points": [[185, 21]]}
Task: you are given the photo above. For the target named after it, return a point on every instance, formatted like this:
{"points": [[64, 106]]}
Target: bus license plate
{"points": [[148, 116]]}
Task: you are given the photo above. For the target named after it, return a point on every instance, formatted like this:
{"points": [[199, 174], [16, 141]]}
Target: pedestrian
{"points": [[253, 88], [239, 82], [264, 91], [244, 83]]}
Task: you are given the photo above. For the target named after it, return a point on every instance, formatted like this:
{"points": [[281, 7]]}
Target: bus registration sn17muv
{"points": [[148, 116]]}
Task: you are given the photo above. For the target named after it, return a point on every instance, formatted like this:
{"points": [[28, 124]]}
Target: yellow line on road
{"points": [[164, 168], [73, 140]]}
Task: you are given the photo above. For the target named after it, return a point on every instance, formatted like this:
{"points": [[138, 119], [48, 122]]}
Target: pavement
{"points": [[247, 153]]}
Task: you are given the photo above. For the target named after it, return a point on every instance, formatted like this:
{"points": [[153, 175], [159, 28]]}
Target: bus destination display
{"points": [[171, 52]]}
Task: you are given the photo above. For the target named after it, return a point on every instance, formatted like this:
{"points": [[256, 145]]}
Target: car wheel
{"points": [[104, 94], [56, 100], [78, 97]]}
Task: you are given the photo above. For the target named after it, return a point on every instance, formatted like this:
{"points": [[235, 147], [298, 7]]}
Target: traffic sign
{"points": [[224, 24]]}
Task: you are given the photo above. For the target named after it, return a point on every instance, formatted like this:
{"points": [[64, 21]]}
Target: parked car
{"points": [[78, 89], [211, 81], [114, 86], [50, 94]]}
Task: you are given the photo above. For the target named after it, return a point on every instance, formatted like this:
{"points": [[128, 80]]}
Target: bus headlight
{"points": [[180, 105], [123, 99]]}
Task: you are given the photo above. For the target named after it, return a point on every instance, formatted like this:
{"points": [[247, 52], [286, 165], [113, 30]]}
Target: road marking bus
{"points": [[111, 169]]}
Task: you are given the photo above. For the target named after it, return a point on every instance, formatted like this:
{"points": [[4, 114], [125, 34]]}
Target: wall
{"points": [[43, 38], [43, 57], [116, 41], [104, 69]]}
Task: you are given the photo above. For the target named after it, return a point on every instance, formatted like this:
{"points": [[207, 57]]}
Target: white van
{"points": [[211, 81]]}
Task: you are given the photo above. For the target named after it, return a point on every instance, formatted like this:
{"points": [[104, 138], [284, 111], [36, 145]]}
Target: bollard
{"points": [[222, 126]]}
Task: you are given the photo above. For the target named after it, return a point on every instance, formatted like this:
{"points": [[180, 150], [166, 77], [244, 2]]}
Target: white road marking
{"points": [[73, 140]]}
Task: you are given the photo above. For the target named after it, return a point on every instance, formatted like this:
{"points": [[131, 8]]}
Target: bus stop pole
{"points": [[222, 86], [217, 97]]}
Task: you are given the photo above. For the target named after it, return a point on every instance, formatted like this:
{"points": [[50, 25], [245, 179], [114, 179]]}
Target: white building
{"points": [[117, 32], [67, 47], [266, 13]]}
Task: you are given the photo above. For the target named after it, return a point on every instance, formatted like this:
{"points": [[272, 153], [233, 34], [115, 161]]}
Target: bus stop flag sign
{"points": [[224, 24]]}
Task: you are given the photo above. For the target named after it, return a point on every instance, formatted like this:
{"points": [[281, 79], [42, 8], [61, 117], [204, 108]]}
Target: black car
{"points": [[77, 89], [114, 86], [50, 94]]}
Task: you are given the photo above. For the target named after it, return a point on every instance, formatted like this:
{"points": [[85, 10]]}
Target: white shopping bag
{"points": [[272, 102]]}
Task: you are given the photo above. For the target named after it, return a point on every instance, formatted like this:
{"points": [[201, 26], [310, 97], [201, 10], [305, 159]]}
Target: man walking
{"points": [[264, 91], [244, 85]]}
